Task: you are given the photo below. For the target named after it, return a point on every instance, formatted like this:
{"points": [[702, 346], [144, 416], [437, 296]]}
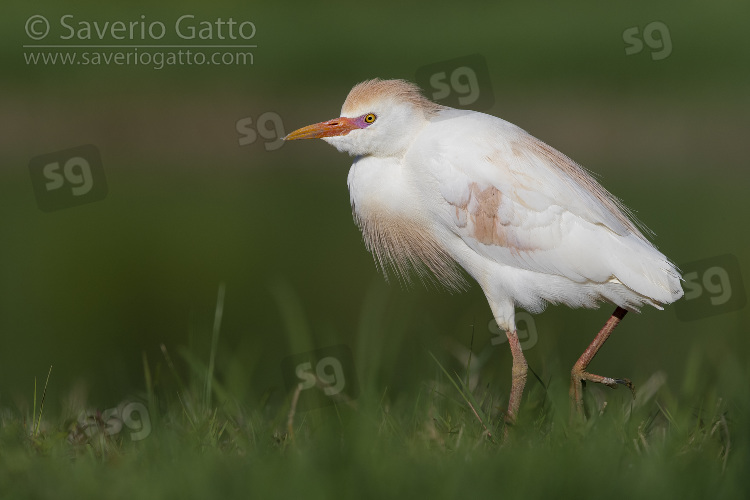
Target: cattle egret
{"points": [[435, 189]]}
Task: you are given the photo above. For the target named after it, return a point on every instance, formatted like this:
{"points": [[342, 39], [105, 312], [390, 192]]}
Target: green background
{"points": [[90, 289]]}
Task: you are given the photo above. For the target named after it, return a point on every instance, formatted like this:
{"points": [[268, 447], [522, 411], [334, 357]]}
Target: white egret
{"points": [[435, 189]]}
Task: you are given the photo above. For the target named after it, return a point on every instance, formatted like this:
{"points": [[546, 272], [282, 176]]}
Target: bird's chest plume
{"points": [[396, 228]]}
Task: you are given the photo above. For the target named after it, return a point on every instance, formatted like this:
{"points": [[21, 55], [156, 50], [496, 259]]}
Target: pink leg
{"points": [[520, 368], [579, 375]]}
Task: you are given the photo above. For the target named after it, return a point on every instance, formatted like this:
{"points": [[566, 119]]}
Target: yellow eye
{"points": [[369, 118]]}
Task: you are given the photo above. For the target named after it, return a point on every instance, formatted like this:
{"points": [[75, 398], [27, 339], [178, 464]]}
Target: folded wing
{"points": [[521, 203]]}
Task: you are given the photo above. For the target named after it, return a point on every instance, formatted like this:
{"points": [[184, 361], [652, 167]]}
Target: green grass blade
{"points": [[219, 313]]}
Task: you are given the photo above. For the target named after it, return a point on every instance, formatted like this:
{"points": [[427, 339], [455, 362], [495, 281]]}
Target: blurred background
{"points": [[194, 188]]}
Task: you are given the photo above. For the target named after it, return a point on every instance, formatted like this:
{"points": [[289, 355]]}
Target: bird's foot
{"points": [[577, 381], [627, 383]]}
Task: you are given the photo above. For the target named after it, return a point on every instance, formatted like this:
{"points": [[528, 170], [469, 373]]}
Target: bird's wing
{"points": [[519, 202]]}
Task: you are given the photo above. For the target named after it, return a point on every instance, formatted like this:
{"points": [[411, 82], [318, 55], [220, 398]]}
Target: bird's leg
{"points": [[578, 375], [520, 368]]}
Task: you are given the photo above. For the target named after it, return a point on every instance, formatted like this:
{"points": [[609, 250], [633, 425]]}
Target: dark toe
{"points": [[628, 383]]}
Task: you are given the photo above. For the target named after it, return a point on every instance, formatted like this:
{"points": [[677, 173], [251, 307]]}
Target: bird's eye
{"points": [[370, 118]]}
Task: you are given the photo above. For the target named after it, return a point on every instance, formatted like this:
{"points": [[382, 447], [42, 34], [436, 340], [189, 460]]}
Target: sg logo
{"points": [[459, 83], [525, 329], [332, 383], [712, 286], [661, 45], [323, 376], [68, 178], [132, 415], [268, 125]]}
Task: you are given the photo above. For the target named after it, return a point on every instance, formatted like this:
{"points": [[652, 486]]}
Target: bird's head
{"points": [[378, 118]]}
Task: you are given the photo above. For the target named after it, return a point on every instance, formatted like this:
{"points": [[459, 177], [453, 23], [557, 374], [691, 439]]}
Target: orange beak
{"points": [[331, 128]]}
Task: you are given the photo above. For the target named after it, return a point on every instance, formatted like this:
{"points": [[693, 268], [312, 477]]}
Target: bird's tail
{"points": [[646, 271]]}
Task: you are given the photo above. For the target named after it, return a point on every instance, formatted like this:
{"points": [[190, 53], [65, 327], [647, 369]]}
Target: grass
{"points": [[439, 438]]}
